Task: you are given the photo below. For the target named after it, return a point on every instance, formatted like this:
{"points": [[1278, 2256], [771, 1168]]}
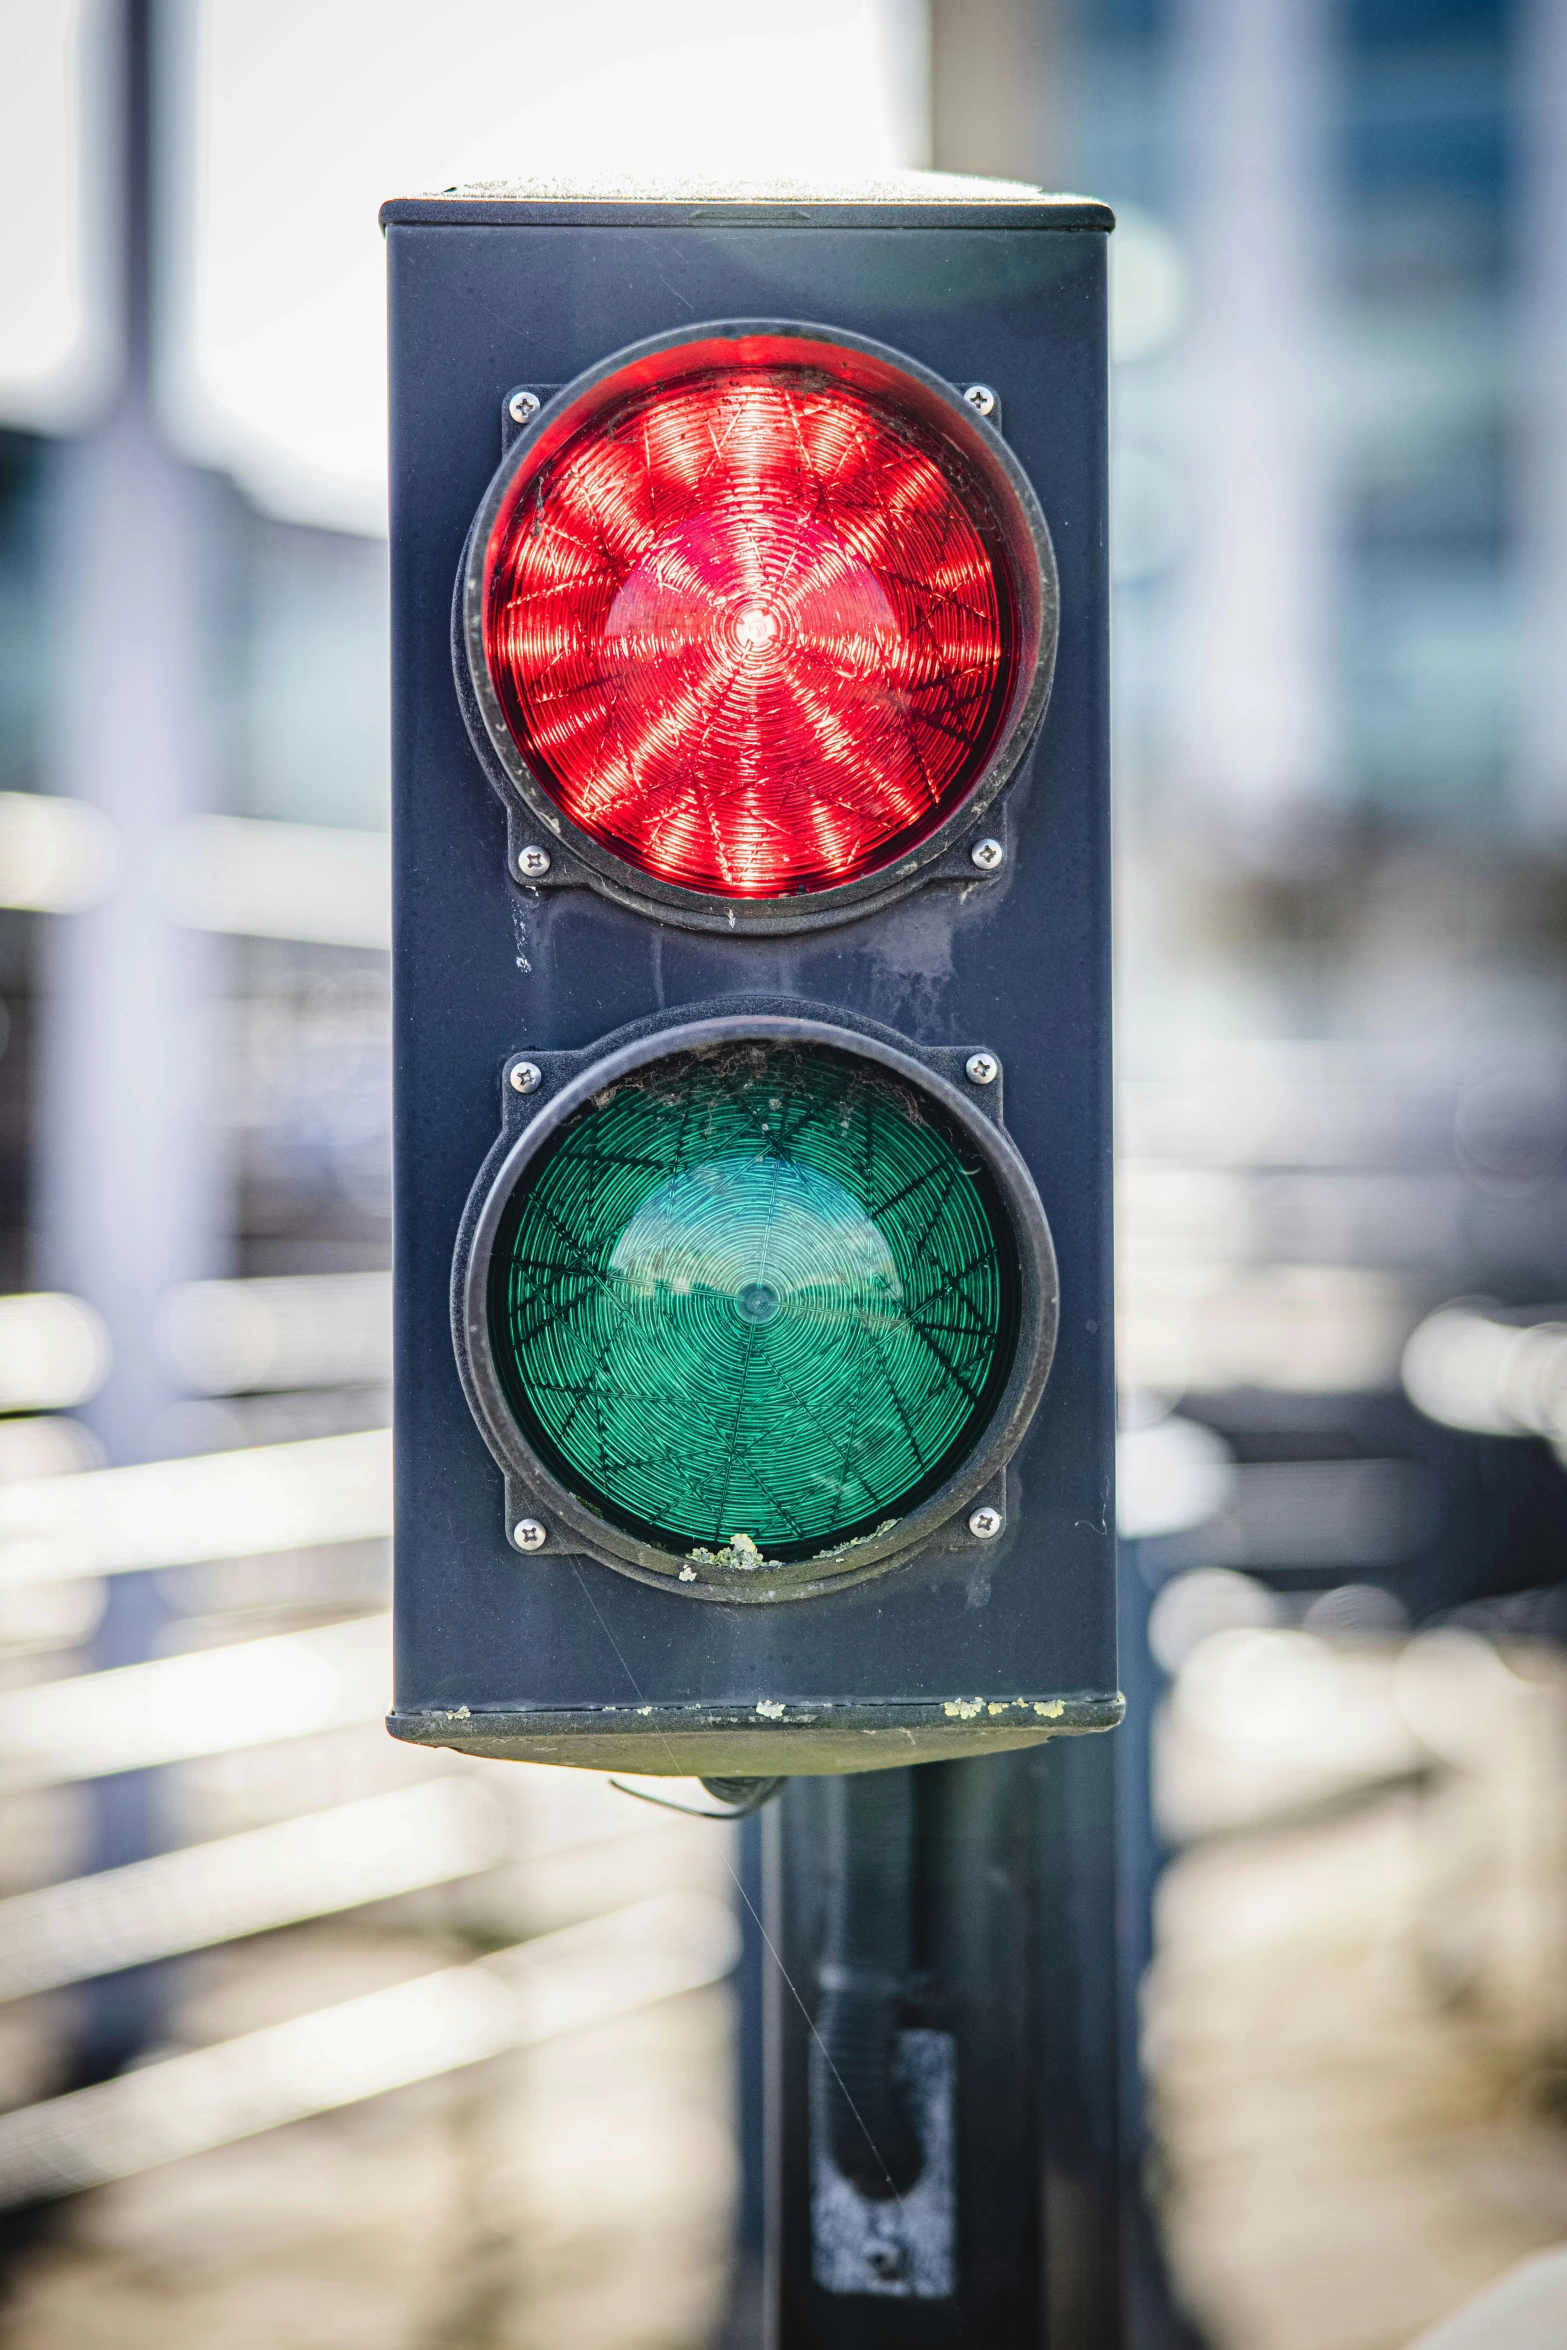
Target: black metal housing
{"points": [[531, 1121], [977, 448], [969, 1645]]}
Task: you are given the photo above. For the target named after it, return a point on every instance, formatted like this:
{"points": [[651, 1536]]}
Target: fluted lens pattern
{"points": [[757, 1299], [753, 631]]}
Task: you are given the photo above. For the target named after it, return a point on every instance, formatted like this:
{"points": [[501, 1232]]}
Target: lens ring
{"points": [[757, 1299], [804, 1339], [573, 697], [755, 631]]}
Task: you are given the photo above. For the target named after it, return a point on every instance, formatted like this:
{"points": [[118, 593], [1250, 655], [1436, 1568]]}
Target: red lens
{"points": [[753, 631]]}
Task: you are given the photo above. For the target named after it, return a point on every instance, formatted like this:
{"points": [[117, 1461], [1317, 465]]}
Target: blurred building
{"points": [[1345, 1096]]}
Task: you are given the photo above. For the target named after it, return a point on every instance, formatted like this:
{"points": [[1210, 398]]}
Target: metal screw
{"points": [[522, 407], [981, 399], [985, 1524], [987, 855], [982, 1068], [526, 1077], [528, 1534], [533, 862]]}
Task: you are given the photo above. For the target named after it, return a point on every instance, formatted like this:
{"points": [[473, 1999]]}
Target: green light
{"points": [[758, 1295]]}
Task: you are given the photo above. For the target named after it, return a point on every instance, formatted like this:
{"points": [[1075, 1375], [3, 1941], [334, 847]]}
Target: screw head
{"points": [[987, 855], [528, 1534], [526, 1077], [982, 1068], [981, 399], [533, 862], [522, 407], [985, 1524]]}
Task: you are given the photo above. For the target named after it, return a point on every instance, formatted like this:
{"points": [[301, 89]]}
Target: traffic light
{"points": [[754, 1407]]}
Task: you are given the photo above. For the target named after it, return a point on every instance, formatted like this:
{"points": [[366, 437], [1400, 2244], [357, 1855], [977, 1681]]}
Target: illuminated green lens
{"points": [[758, 1297]]}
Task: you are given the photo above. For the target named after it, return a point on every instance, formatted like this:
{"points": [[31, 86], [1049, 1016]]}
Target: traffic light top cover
{"points": [[906, 197]]}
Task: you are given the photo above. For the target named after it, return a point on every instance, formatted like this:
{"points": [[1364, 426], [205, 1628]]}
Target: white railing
{"points": [[562, 1982]]}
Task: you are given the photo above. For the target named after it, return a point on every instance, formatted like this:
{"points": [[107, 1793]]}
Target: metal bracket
{"points": [[512, 430], [567, 871], [906, 2247]]}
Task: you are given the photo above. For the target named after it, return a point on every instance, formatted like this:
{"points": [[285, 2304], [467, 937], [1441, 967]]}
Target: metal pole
{"points": [[743, 2327], [1005, 2063], [1540, 781], [1253, 711], [129, 1200]]}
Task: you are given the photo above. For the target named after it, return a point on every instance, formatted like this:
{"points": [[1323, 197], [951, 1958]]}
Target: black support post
{"points": [[1003, 2229]]}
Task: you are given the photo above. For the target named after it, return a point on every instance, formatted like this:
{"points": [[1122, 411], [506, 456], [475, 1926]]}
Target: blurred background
{"points": [[308, 2038]]}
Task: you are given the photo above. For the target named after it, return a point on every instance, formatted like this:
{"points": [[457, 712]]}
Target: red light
{"points": [[753, 631]]}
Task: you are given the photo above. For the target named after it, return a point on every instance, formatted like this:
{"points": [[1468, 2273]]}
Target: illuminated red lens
{"points": [[753, 632]]}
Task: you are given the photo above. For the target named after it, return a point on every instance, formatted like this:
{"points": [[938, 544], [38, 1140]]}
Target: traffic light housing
{"points": [[754, 1401]]}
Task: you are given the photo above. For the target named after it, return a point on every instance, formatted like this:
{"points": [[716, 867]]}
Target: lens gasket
{"points": [[577, 858], [567, 1082]]}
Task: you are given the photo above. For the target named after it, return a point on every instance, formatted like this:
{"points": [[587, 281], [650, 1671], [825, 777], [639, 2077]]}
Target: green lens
{"points": [[759, 1298]]}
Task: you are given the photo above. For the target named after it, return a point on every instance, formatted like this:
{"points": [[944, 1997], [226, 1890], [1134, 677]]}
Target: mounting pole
{"points": [[128, 1196], [1005, 2058]]}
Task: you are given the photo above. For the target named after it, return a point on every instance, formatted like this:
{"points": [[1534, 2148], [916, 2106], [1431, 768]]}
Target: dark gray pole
{"points": [[743, 2324], [129, 1198], [996, 1959]]}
